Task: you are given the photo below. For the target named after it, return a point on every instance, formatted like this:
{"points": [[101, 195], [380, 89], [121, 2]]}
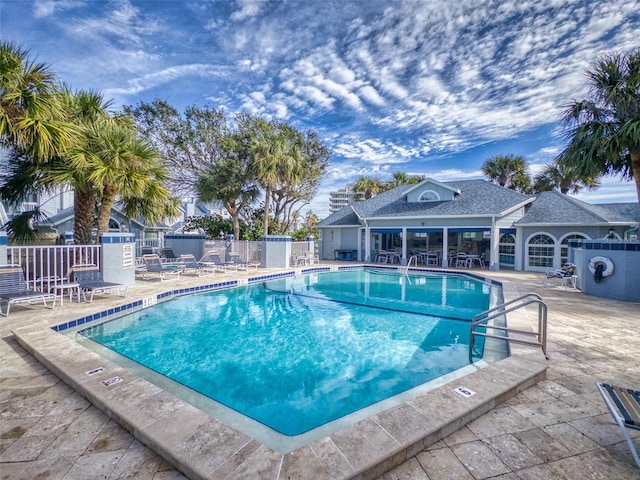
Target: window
{"points": [[429, 196], [540, 250], [564, 247], [507, 250]]}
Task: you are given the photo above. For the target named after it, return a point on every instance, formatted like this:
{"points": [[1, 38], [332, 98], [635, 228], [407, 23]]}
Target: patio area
{"points": [[559, 428]]}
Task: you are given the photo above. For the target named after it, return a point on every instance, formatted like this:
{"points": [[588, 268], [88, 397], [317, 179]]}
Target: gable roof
{"points": [[427, 181], [555, 208]]}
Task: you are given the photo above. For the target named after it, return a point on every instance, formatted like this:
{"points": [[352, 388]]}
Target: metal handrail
{"points": [[500, 310], [412, 257]]}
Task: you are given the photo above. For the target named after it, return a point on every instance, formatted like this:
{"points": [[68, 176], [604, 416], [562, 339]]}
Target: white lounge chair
{"points": [[154, 266], [89, 278], [624, 406], [191, 265], [14, 289]]}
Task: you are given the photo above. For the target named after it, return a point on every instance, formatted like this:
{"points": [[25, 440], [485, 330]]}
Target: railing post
{"points": [[4, 243]]}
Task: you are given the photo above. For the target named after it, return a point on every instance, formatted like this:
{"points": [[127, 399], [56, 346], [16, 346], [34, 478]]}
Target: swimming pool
{"points": [[299, 352]]}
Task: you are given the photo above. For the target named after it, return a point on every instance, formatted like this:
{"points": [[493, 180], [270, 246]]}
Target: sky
{"points": [[429, 87]]}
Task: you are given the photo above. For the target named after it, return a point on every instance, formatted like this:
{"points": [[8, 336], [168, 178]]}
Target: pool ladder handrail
{"points": [[499, 310], [412, 257]]}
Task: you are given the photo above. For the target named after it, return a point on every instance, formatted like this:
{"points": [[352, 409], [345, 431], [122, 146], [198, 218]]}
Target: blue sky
{"points": [[425, 87]]}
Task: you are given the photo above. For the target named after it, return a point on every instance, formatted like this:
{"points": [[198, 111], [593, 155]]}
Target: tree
{"points": [[191, 144], [32, 118], [117, 163], [276, 160], [402, 178], [558, 175], [26, 177], [509, 171], [230, 182], [369, 185], [297, 189], [603, 130]]}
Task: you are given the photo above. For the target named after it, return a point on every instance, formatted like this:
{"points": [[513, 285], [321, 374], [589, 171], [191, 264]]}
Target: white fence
{"points": [[249, 251], [43, 264]]}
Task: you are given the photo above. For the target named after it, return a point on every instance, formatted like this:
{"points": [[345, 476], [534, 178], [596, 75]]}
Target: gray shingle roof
{"points": [[345, 217], [630, 211], [482, 198], [477, 197], [554, 207]]}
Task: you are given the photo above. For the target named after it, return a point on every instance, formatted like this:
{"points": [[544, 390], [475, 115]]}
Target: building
{"points": [[342, 198], [504, 227]]}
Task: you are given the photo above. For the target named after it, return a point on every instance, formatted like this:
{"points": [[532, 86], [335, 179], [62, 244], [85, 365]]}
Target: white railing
{"points": [[42, 264], [249, 251], [148, 245]]}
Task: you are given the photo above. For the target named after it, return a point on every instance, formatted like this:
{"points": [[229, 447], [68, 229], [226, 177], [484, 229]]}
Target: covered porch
{"points": [[440, 246]]}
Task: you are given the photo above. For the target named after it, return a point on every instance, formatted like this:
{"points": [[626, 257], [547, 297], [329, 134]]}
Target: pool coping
{"points": [[204, 448]]}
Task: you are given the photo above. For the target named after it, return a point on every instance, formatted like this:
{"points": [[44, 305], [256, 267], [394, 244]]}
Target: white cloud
{"points": [[248, 9]]}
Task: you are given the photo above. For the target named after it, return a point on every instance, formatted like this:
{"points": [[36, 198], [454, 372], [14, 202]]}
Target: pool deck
{"points": [[557, 428]]}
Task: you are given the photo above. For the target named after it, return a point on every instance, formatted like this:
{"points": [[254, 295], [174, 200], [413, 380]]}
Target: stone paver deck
{"points": [[558, 428]]}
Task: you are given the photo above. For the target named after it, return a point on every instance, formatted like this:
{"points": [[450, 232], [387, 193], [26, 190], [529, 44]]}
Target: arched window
{"points": [[540, 250], [429, 196], [114, 226], [507, 250], [564, 245]]}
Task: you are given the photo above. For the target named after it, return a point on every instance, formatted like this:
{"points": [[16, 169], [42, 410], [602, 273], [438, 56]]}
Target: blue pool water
{"points": [[299, 352]]}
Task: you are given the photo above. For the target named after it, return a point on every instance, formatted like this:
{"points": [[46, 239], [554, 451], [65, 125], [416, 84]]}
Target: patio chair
{"points": [[235, 259], [564, 273], [382, 256], [14, 289], [154, 266], [461, 260], [167, 255], [89, 278], [212, 259], [624, 406], [192, 265]]}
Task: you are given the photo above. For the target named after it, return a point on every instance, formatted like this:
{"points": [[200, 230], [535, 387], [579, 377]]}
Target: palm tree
{"points": [[117, 163], [369, 185], [275, 159], [27, 177], [604, 129], [32, 118], [564, 178], [508, 171], [402, 178]]}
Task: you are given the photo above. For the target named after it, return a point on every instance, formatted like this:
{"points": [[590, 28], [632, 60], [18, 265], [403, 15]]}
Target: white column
{"points": [[404, 259], [494, 264], [445, 247], [367, 245], [519, 257]]}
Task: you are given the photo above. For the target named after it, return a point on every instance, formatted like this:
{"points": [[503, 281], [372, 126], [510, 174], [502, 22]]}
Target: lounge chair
{"points": [[192, 265], [212, 259], [235, 259], [89, 278], [624, 405], [14, 289], [167, 256], [565, 273], [154, 266]]}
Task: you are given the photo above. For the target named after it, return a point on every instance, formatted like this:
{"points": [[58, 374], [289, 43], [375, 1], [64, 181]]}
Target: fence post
{"points": [[311, 247], [118, 257], [276, 251], [4, 244]]}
